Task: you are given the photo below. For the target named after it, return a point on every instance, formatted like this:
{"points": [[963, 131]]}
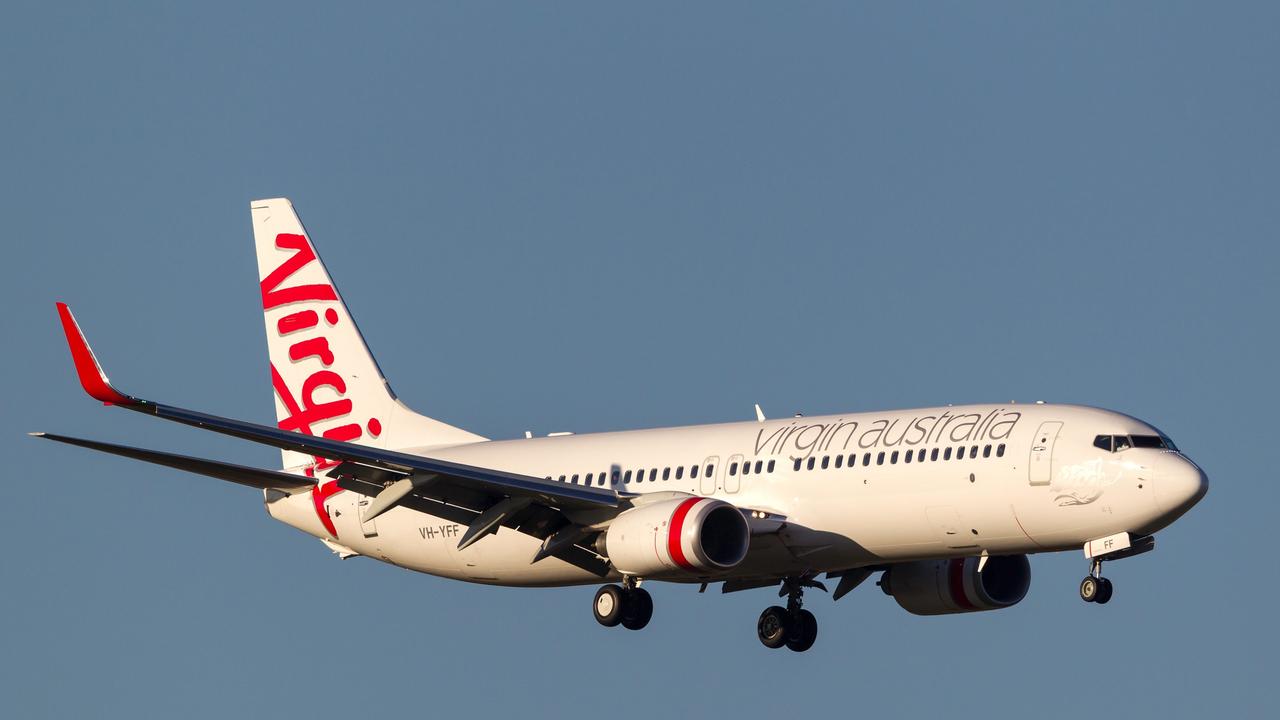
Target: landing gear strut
{"points": [[792, 626], [1095, 588], [629, 605]]}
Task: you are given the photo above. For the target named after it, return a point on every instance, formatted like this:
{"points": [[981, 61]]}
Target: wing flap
{"points": [[413, 501]]}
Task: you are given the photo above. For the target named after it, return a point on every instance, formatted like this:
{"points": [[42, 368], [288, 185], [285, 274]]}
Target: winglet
{"points": [[91, 376]]}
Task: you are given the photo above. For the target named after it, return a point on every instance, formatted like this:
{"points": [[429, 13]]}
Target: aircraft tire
{"points": [[803, 631], [608, 606], [773, 626], [1104, 591], [637, 609], [1089, 589]]}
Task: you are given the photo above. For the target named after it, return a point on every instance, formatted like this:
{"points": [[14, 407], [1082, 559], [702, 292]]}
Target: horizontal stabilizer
{"points": [[253, 477]]}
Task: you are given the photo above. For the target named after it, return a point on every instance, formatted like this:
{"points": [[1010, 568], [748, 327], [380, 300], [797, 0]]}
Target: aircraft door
{"points": [[1040, 466], [710, 467], [733, 478]]}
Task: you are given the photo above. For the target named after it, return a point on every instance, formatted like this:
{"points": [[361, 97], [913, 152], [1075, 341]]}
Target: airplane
{"points": [[945, 503]]}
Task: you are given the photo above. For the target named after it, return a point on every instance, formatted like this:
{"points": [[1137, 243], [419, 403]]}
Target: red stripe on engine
{"points": [[675, 529], [955, 579]]}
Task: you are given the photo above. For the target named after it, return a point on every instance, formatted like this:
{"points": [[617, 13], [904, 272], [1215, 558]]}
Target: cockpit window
{"points": [[1116, 443]]}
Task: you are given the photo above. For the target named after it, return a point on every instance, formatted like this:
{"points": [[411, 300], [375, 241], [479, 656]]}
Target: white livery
{"points": [[946, 503]]}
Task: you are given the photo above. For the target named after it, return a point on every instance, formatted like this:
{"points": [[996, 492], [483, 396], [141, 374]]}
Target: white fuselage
{"points": [[1037, 484]]}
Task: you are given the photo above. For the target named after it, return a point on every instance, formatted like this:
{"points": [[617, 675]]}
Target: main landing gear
{"points": [[629, 605], [1094, 588], [791, 626]]}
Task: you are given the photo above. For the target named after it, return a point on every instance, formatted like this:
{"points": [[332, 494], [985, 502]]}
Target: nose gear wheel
{"points": [[1094, 588]]}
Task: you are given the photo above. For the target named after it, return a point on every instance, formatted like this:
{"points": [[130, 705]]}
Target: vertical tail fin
{"points": [[326, 381]]}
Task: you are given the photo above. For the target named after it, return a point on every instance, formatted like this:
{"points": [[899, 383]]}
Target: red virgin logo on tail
{"points": [[312, 345]]}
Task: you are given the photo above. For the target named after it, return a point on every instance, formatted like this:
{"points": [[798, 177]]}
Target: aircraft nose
{"points": [[1180, 484]]}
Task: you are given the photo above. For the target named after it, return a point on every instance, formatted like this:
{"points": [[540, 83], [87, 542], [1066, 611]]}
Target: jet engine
{"points": [[681, 536], [940, 587]]}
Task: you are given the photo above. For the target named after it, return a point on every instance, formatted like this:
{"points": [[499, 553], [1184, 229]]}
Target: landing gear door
{"points": [[1040, 465]]}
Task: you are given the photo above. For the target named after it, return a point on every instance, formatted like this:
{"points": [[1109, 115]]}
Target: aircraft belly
{"points": [[428, 544]]}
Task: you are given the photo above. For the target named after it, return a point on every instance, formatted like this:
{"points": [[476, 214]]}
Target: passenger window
{"points": [[986, 451], [1122, 443], [601, 477], [711, 471], [693, 471], [666, 474], [973, 451], [908, 457], [798, 461], [933, 455], [615, 476], [866, 460], [946, 454], [627, 478], [880, 458], [770, 466], [746, 467], [679, 472], [811, 462], [893, 459], [588, 480], [561, 478], [759, 466], [653, 474], [826, 460], [839, 461], [1000, 450], [1103, 442], [574, 480], [733, 468]]}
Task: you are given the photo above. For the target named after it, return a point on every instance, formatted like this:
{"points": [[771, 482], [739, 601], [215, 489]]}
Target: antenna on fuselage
{"points": [[759, 413]]}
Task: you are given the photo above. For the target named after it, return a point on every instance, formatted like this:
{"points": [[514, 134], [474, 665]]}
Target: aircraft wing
{"points": [[253, 477], [484, 497]]}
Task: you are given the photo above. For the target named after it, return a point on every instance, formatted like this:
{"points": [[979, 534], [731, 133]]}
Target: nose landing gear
{"points": [[1095, 588], [791, 626], [629, 605]]}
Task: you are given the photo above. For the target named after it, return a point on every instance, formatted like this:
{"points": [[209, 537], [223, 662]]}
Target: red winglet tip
{"points": [[91, 376]]}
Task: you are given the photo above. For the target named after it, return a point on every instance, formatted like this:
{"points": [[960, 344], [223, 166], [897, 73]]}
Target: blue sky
{"points": [[591, 216]]}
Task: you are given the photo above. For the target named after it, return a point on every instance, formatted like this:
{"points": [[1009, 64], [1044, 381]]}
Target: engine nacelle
{"points": [[940, 587], [689, 536]]}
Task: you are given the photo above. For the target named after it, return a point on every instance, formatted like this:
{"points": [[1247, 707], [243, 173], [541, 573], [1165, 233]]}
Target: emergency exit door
{"points": [[710, 467]]}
